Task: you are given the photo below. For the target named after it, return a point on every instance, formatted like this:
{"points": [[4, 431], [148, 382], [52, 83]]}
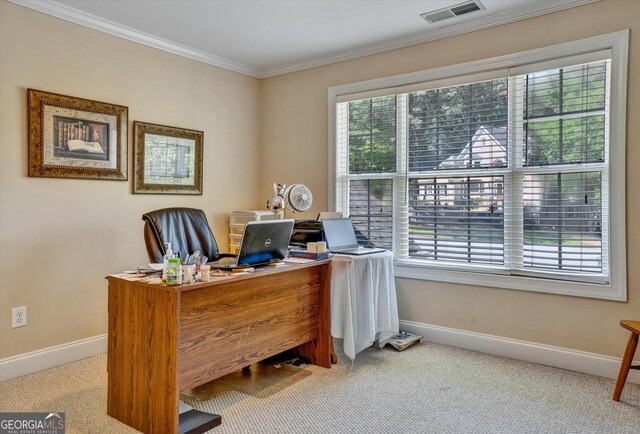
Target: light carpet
{"points": [[428, 388]]}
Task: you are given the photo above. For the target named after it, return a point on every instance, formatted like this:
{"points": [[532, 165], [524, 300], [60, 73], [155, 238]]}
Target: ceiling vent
{"points": [[453, 11]]}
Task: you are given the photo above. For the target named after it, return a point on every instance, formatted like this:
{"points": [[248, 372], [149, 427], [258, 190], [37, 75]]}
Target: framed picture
{"points": [[167, 160], [76, 138]]}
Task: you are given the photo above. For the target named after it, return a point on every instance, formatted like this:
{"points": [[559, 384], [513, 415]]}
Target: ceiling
{"points": [[263, 38]]}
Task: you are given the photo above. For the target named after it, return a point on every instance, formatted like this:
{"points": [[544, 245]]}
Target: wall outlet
{"points": [[19, 316]]}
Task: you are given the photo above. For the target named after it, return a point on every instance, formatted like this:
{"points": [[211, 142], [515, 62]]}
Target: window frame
{"points": [[618, 44]]}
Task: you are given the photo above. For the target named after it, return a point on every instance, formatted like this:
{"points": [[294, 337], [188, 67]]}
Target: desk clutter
{"points": [[316, 251], [153, 273], [173, 272]]}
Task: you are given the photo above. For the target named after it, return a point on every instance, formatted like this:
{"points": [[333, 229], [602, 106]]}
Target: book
{"points": [[301, 253], [82, 146]]}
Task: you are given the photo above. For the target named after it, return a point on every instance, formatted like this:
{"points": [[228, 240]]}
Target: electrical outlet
{"points": [[19, 316]]}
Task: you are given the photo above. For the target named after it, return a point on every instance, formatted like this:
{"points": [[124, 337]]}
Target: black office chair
{"points": [[186, 229]]}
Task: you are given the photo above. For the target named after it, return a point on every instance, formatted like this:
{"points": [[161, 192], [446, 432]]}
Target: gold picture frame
{"points": [[167, 160], [73, 137]]}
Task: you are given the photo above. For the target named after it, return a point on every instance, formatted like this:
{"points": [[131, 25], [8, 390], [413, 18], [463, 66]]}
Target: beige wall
{"points": [[60, 237], [293, 120]]}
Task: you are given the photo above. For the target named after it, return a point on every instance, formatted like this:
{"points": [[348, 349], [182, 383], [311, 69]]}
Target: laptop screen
{"points": [[339, 234], [264, 242]]}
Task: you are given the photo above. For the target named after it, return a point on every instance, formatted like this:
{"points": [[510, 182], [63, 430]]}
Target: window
{"points": [[502, 177]]}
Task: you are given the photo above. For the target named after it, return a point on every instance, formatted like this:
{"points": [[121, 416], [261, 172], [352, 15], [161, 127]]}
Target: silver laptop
{"points": [[263, 242], [341, 238]]}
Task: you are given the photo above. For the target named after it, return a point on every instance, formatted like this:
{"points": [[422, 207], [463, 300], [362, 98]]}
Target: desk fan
{"points": [[297, 197]]}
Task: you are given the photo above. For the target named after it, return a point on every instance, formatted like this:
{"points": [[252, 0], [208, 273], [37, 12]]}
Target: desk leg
{"points": [[320, 350], [142, 358]]}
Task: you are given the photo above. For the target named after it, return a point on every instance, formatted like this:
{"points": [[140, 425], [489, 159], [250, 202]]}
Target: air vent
{"points": [[465, 8], [453, 11]]}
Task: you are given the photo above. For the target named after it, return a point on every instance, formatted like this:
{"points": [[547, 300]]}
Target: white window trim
{"points": [[618, 43]]}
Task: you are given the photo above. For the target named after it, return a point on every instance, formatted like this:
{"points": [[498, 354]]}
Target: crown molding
{"points": [[58, 10], [442, 33]]}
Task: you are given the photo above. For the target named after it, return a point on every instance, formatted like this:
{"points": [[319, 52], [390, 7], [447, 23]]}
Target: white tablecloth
{"points": [[364, 307]]}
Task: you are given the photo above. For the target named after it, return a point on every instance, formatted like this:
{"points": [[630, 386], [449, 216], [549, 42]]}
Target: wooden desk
{"points": [[166, 339]]}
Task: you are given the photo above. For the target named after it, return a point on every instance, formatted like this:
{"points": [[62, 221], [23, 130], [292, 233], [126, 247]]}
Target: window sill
{"points": [[549, 286]]}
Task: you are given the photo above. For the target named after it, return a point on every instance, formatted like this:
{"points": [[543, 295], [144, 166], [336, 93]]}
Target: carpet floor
{"points": [[428, 388]]}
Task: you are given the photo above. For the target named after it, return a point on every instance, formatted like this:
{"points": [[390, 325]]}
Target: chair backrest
{"points": [[186, 229]]}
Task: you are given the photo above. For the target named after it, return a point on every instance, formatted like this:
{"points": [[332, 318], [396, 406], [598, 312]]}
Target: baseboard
{"points": [[558, 357], [580, 361], [45, 358]]}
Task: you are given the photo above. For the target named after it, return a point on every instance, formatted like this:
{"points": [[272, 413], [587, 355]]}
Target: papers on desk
{"points": [[129, 276], [146, 276]]}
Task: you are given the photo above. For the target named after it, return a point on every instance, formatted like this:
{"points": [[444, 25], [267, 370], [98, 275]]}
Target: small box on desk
{"points": [[301, 253]]}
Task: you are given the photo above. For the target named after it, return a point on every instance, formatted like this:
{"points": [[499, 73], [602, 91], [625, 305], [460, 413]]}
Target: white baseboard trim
{"points": [[565, 358], [45, 358], [558, 357]]}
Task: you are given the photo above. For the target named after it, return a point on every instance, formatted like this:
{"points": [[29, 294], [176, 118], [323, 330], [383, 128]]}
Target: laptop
{"points": [[341, 238], [263, 242]]}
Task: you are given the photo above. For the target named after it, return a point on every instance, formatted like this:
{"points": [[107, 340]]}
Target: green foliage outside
{"points": [[554, 138], [372, 135]]}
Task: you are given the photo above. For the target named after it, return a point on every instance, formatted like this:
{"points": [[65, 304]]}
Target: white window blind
{"points": [[562, 119], [371, 211], [457, 150], [502, 174], [372, 135], [562, 223], [457, 218], [459, 127], [367, 164]]}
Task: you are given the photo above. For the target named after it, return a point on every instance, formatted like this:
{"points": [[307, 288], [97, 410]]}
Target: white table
{"points": [[364, 307]]}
